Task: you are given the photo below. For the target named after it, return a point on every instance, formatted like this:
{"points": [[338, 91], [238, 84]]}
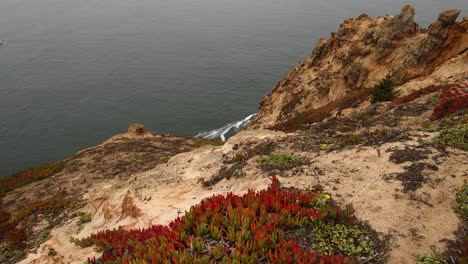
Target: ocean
{"points": [[74, 73]]}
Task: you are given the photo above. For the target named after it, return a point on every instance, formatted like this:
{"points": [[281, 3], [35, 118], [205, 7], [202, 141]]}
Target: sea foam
{"points": [[230, 128]]}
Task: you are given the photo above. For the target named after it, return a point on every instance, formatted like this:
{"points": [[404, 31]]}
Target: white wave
{"points": [[221, 132]]}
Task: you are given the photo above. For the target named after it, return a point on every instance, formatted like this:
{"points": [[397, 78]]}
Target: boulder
{"points": [[404, 21], [136, 129], [448, 17]]}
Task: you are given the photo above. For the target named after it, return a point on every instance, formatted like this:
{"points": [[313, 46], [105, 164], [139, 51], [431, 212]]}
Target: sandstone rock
{"points": [[136, 129], [360, 54], [448, 17], [404, 21], [384, 43]]}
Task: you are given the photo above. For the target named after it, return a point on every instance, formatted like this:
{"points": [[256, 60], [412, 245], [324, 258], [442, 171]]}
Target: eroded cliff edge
{"points": [[360, 54]]}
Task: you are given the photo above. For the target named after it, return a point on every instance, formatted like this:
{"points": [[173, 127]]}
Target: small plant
{"points": [[52, 252], [383, 91], [84, 218], [429, 127], [30, 175], [427, 259], [200, 142], [42, 237], [83, 243], [344, 239], [280, 161], [456, 137], [462, 201]]}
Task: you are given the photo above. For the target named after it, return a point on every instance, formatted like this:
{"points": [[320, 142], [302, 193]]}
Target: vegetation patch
{"points": [[234, 165], [456, 137], [200, 142], [383, 91], [451, 101], [280, 161], [302, 120], [408, 154], [337, 239], [418, 93], [84, 218], [30, 175], [252, 228], [462, 201], [413, 178], [428, 259], [15, 234], [263, 148]]}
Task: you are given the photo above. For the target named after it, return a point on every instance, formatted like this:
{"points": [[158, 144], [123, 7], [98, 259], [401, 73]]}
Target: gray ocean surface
{"points": [[73, 73]]}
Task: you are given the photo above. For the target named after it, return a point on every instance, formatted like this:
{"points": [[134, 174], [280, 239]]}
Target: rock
{"points": [[448, 17], [360, 54], [136, 129], [404, 21], [384, 43]]}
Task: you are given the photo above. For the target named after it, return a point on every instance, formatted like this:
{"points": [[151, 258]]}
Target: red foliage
{"points": [[30, 175], [10, 233], [452, 100], [249, 228], [418, 93], [302, 119]]}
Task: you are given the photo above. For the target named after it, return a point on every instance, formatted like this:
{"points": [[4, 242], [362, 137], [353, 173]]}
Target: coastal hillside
{"points": [[359, 155], [360, 54]]}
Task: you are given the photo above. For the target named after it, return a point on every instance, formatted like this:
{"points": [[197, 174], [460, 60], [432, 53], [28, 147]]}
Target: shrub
{"points": [[200, 142], [427, 259], [462, 201], [456, 137], [251, 228], [279, 161], [30, 175], [14, 231], [451, 101], [85, 218], [383, 91], [343, 239]]}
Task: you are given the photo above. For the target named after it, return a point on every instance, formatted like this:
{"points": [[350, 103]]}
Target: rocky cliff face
{"points": [[360, 54]]}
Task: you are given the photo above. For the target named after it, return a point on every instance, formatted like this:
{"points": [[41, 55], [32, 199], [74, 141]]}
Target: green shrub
{"points": [[427, 259], [279, 161], [84, 218], [350, 240], [456, 137], [383, 91], [200, 142], [462, 201]]}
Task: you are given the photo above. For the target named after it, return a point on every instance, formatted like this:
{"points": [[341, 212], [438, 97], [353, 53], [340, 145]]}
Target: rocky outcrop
{"points": [[136, 129], [361, 53]]}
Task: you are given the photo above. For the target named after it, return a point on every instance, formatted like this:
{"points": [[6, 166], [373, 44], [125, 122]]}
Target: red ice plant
{"points": [[228, 229]]}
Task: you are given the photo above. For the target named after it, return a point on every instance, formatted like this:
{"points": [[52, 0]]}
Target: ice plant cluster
{"points": [[253, 228], [15, 234], [30, 175], [451, 101]]}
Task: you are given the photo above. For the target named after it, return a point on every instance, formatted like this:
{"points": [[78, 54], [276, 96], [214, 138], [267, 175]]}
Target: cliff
{"points": [[360, 54], [271, 196]]}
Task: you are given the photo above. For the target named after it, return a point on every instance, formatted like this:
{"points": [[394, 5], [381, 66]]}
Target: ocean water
{"points": [[73, 73]]}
